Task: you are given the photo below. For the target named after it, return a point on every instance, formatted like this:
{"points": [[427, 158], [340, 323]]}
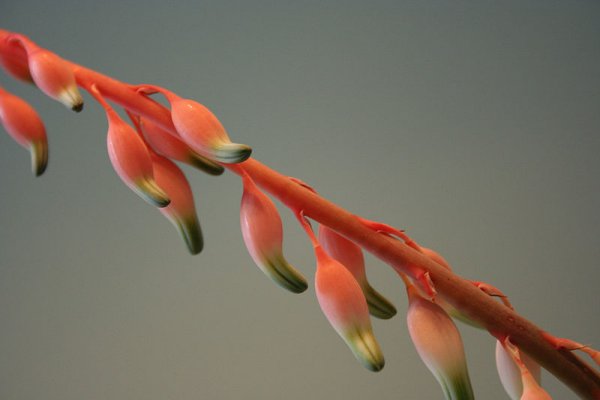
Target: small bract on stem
{"points": [[189, 132]]}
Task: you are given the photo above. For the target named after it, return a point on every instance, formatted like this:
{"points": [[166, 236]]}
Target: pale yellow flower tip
{"points": [[365, 348], [231, 153], [149, 190]]}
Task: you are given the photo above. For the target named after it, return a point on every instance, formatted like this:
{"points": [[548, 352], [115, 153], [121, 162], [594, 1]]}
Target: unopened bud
{"points": [[172, 147], [55, 78], [181, 211], [343, 303], [350, 256], [131, 159], [439, 345], [200, 129], [510, 373], [25, 126], [263, 235]]}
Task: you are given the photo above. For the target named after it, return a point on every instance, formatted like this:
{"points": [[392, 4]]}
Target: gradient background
{"points": [[473, 125]]}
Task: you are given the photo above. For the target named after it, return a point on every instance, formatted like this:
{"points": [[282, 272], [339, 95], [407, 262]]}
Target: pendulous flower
{"points": [[510, 373], [181, 210], [54, 77], [170, 146], [25, 126], [132, 161], [439, 345], [263, 235], [350, 256], [342, 301], [201, 130]]}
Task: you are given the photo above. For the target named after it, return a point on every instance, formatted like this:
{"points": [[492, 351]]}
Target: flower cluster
{"points": [[143, 156], [143, 152]]}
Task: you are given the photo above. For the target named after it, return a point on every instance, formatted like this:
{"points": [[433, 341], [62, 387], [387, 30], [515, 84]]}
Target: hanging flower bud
{"points": [[14, 61], [54, 77], [439, 345], [181, 210], [200, 129], [25, 126], [344, 304], [510, 373], [263, 235], [131, 159], [350, 256], [174, 148]]}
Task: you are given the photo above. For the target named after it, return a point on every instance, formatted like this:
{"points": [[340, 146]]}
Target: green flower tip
{"points": [[285, 275], [365, 348], [379, 306], [232, 153], [189, 229], [205, 165], [149, 190]]}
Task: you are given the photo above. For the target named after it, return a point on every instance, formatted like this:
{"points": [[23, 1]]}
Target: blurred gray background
{"points": [[473, 125]]}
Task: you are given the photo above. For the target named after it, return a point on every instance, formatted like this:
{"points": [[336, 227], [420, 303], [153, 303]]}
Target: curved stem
{"points": [[460, 293]]}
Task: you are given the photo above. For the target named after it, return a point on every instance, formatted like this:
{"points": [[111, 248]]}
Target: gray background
{"points": [[473, 125]]}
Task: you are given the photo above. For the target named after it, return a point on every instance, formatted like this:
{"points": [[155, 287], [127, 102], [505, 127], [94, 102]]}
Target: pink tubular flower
{"points": [[181, 210], [54, 77], [351, 257], [25, 126], [343, 303], [200, 129], [174, 148], [439, 345], [510, 373], [131, 159], [263, 235]]}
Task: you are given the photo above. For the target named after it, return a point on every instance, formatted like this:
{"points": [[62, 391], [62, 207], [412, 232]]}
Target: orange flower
{"points": [[200, 129], [343, 303], [54, 77], [174, 148], [181, 210], [351, 257], [439, 345], [25, 126], [131, 160], [263, 235]]}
